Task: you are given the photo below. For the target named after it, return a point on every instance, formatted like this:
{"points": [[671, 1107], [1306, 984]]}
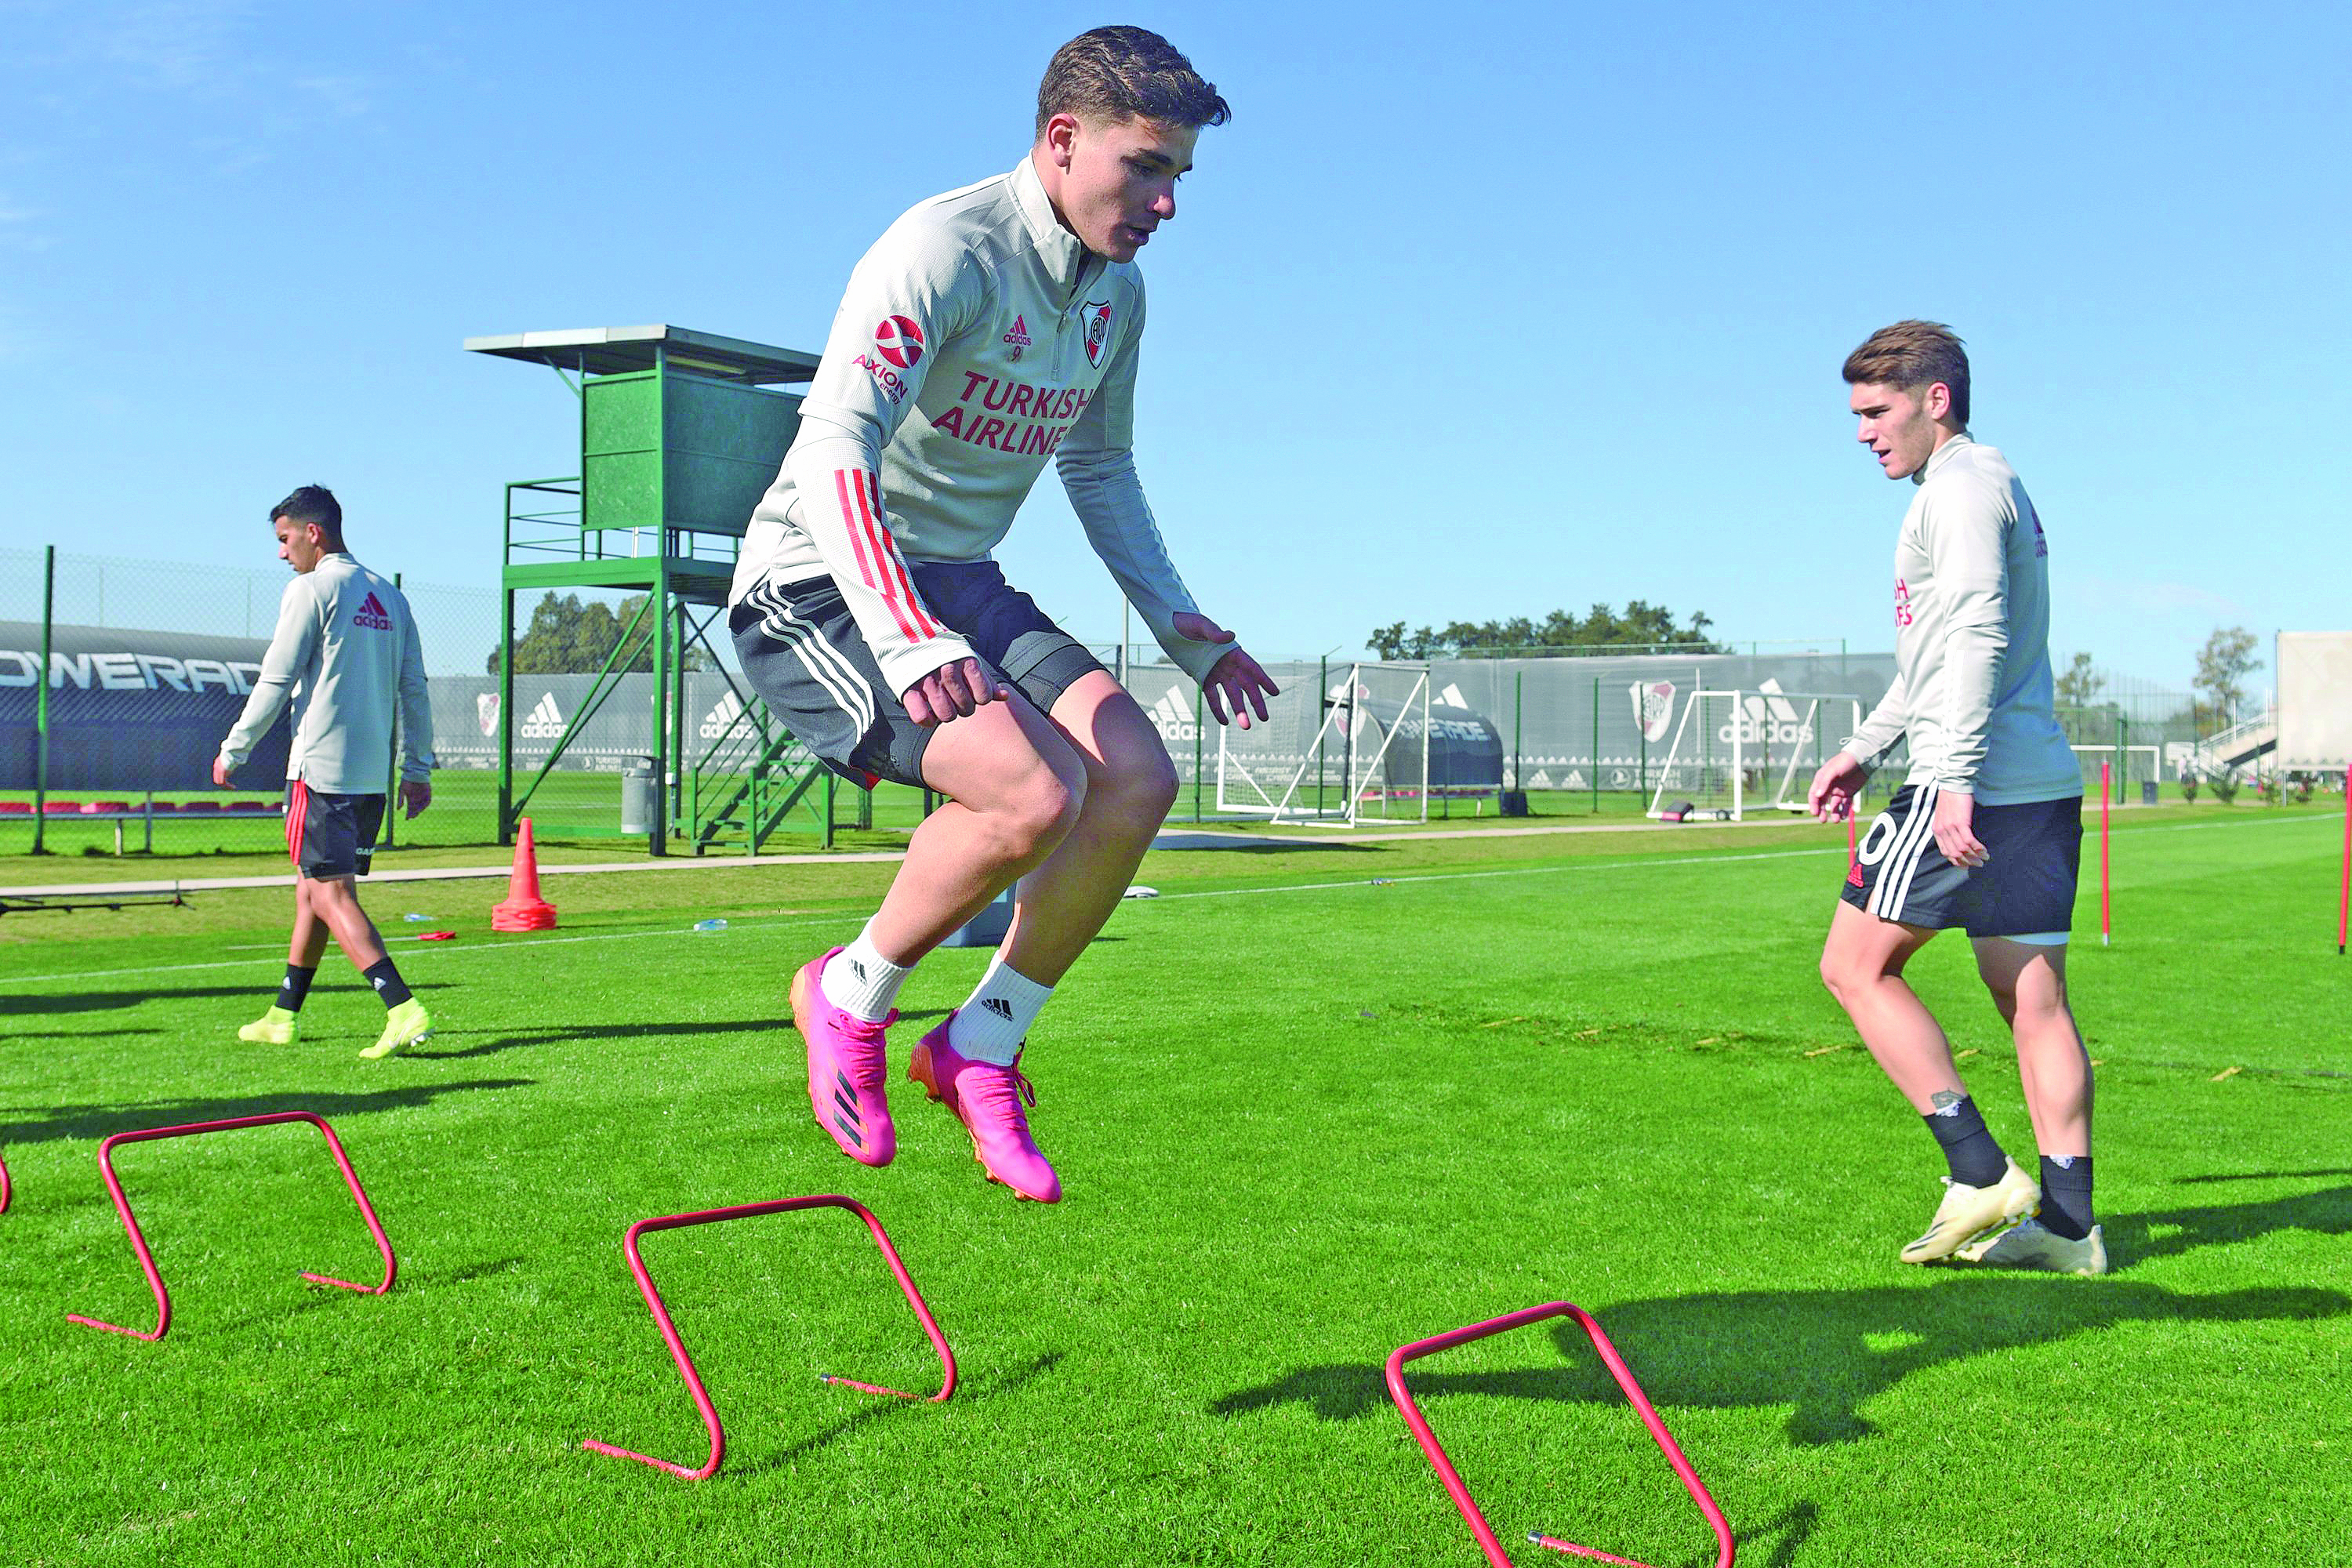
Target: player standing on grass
{"points": [[345, 653], [989, 330], [1986, 834]]}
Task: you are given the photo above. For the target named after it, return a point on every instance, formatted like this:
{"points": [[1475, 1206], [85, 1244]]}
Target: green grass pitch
{"points": [[1308, 1105]]}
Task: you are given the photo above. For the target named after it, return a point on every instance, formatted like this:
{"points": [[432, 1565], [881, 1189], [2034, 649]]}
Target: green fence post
{"points": [[1596, 745], [1200, 724], [506, 714], [2118, 794], [1519, 734], [41, 701]]}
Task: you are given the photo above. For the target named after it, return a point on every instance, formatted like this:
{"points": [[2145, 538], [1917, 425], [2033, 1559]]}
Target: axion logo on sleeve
{"points": [[900, 340]]}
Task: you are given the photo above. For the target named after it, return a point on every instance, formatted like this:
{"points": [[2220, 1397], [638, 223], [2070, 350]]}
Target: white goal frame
{"points": [[1242, 792], [1805, 711]]}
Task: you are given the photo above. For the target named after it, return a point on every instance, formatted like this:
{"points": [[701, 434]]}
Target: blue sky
{"points": [[1472, 311]]}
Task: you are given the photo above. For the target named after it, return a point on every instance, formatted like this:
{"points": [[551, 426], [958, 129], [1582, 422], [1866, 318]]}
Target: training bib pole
{"points": [[2106, 922]]}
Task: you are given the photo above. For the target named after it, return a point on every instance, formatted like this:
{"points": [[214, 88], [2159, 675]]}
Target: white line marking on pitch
{"points": [[1210, 893]]}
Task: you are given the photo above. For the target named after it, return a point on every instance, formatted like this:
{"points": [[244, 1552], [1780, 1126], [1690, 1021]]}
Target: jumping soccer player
{"points": [[1985, 835], [346, 653], [989, 330]]}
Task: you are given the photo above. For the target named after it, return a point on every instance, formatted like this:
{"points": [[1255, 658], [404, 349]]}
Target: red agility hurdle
{"points": [[1616, 1366], [686, 1362], [147, 1258], [4, 1186]]}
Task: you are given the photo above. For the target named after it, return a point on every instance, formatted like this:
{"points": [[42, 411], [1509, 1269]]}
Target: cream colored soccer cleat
{"points": [[275, 1027], [2032, 1244], [1968, 1211], [403, 1027]]}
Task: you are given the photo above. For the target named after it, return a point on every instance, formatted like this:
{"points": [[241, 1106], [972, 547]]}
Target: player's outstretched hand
{"points": [[1956, 835], [415, 794], [220, 773], [1836, 786], [954, 691], [1237, 684]]}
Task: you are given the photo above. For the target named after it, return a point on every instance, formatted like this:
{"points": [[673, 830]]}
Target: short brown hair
{"points": [[1913, 353], [1117, 74]]}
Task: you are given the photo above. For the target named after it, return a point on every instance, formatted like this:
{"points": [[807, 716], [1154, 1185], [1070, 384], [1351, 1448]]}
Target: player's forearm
{"points": [[1972, 660], [289, 648], [1886, 724], [1108, 497], [839, 507]]}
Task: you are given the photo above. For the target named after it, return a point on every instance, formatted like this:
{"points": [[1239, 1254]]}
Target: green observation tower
{"points": [[680, 434]]}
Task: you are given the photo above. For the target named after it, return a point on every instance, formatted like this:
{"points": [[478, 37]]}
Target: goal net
{"points": [[1734, 753], [1357, 752]]}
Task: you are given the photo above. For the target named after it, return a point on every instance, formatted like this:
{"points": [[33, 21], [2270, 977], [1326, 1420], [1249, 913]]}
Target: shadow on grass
{"points": [[1824, 1353], [2261, 1176], [68, 1121], [980, 1388], [76, 1034], [556, 1036], [1232, 845], [2131, 1239], [37, 1004]]}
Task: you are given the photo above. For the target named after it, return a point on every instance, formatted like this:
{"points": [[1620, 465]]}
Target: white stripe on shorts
{"points": [[1886, 897], [826, 664]]}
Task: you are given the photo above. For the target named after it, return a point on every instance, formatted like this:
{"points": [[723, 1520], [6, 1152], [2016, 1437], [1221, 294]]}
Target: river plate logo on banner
{"points": [[1653, 707], [486, 710]]}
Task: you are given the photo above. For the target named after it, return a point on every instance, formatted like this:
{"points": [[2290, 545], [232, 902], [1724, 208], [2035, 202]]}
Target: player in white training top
{"points": [[1985, 835], [988, 330], [346, 657]]}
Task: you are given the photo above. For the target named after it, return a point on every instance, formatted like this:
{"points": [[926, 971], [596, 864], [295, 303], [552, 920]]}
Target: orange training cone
{"points": [[524, 910]]}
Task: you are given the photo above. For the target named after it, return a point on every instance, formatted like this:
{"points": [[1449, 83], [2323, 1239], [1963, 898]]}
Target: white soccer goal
{"points": [[1358, 752], [1738, 751]]}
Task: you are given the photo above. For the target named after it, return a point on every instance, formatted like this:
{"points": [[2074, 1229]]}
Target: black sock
{"points": [[2066, 1196], [1969, 1148], [295, 986], [388, 983]]}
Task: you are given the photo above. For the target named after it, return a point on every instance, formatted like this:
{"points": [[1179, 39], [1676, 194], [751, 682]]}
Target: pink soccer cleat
{"points": [[987, 1100], [846, 1069]]}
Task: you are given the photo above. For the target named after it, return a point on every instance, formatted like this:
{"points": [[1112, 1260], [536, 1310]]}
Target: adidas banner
{"points": [[129, 710]]}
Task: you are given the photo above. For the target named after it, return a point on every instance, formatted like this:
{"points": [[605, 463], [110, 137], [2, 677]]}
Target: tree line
{"points": [[568, 637], [1640, 626]]}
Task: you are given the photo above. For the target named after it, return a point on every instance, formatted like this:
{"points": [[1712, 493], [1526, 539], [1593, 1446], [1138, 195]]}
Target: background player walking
{"points": [[1985, 834], [344, 654], [990, 329]]}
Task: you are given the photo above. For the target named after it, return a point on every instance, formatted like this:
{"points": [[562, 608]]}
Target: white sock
{"points": [[991, 1027], [861, 982]]}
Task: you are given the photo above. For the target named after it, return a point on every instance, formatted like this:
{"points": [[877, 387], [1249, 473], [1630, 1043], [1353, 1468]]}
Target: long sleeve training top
{"points": [[1972, 684], [977, 338], [345, 654]]}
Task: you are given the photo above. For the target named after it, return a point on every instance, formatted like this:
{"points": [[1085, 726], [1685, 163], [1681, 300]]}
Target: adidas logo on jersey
{"points": [[544, 722], [998, 1005], [722, 718], [1019, 336], [373, 614], [1173, 716]]}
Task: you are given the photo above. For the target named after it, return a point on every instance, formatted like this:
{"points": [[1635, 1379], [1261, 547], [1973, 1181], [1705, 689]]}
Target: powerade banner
{"points": [[129, 710]]}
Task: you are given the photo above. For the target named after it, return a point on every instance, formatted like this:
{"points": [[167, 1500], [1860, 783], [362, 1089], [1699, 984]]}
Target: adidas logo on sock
{"points": [[546, 722], [998, 1005], [377, 983], [859, 969]]}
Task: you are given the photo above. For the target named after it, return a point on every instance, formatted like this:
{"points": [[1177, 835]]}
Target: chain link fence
{"points": [[149, 662]]}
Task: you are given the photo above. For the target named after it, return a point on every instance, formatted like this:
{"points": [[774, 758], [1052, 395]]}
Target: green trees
{"points": [[568, 637], [1643, 625]]}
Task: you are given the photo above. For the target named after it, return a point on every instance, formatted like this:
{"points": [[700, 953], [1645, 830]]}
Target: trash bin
{"points": [[1514, 803], [2148, 791], [987, 928], [637, 799]]}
